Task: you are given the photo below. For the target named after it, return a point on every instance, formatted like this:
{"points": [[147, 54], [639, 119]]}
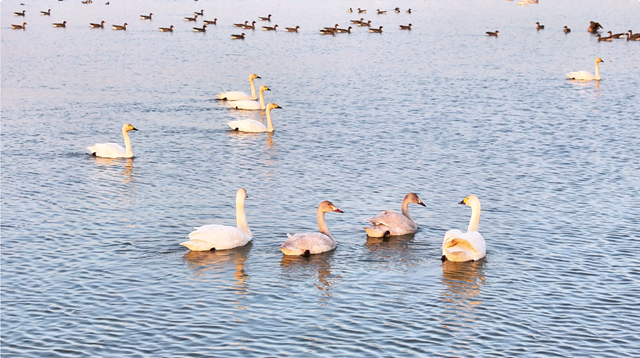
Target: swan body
{"points": [[113, 150], [586, 76], [239, 96], [392, 223], [220, 237], [252, 126], [249, 104], [468, 246], [314, 242]]}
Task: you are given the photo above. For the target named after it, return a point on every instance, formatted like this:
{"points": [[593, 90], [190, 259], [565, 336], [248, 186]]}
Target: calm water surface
{"points": [[91, 264]]}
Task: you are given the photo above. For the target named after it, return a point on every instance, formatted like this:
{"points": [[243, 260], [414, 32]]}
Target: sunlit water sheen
{"points": [[91, 264]]}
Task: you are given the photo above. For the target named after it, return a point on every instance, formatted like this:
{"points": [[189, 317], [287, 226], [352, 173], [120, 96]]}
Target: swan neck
{"points": [[475, 217], [253, 89], [597, 70], [322, 225], [262, 99], [128, 151], [241, 218], [269, 122], [405, 208]]}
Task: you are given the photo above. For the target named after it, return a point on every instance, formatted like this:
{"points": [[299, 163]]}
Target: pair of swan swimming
{"points": [[457, 246]]}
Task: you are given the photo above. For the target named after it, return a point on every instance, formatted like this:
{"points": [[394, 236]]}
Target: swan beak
{"points": [[132, 128], [463, 202], [336, 210], [421, 203]]}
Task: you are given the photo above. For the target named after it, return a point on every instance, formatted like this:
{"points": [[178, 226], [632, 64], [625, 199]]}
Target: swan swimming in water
{"points": [[249, 104], [220, 237], [586, 76], [391, 223], [113, 150], [468, 246], [252, 126], [314, 242], [239, 96]]}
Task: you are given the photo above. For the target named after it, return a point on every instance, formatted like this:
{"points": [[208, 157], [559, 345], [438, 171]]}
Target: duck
{"points": [[377, 31], [539, 27], [238, 96], [250, 27], [567, 30], [20, 27], [361, 11], [93, 25], [334, 28], [113, 150], [220, 237], [327, 32], [493, 33], [201, 13], [533, 1], [350, 10], [365, 24], [242, 25], [60, 24], [238, 37], [252, 126], [200, 29], [118, 27], [194, 18], [468, 246], [46, 13], [586, 76], [615, 36], [19, 13], [292, 29], [397, 10], [269, 28], [608, 38], [209, 22], [522, 2], [357, 22], [391, 223], [166, 29], [629, 37], [268, 18], [344, 31], [381, 12], [594, 26], [145, 17], [249, 104], [306, 244], [405, 27], [632, 35], [409, 11]]}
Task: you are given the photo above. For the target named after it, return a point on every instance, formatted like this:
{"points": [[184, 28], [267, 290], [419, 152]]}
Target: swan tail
{"points": [[457, 254], [197, 245], [377, 231]]}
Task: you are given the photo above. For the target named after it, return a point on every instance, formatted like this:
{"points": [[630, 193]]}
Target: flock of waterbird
{"points": [[245, 26]]}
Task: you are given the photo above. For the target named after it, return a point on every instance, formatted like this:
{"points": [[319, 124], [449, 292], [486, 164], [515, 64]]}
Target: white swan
{"points": [[586, 76], [249, 104], [239, 96], [113, 150], [313, 242], [250, 125], [392, 223], [220, 237], [468, 246]]}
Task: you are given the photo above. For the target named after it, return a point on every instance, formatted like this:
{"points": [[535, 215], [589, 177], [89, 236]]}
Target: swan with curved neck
{"points": [[252, 126], [220, 237], [239, 96], [586, 76], [249, 104], [391, 223], [468, 246], [314, 242], [113, 150]]}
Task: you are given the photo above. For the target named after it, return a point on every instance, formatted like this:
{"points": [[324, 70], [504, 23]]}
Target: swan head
{"points": [[272, 106], [599, 59], [128, 127], [241, 195], [412, 198], [327, 207], [264, 88], [471, 201]]}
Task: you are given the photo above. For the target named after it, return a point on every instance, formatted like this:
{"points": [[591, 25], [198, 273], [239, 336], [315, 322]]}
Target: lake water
{"points": [[91, 261]]}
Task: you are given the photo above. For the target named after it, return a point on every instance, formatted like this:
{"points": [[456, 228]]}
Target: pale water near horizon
{"points": [[91, 261]]}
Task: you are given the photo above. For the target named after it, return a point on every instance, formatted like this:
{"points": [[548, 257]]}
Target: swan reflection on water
{"points": [[462, 283], [214, 265], [300, 268], [391, 249], [109, 163]]}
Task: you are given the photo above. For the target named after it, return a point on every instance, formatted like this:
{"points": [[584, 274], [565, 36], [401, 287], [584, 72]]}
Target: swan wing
{"points": [[581, 75], [459, 246], [397, 223], [220, 237], [246, 104], [234, 96], [315, 242], [247, 125], [107, 150]]}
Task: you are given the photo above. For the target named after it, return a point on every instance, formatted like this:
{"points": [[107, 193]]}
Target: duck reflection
{"points": [[212, 265], [297, 267], [462, 282]]}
